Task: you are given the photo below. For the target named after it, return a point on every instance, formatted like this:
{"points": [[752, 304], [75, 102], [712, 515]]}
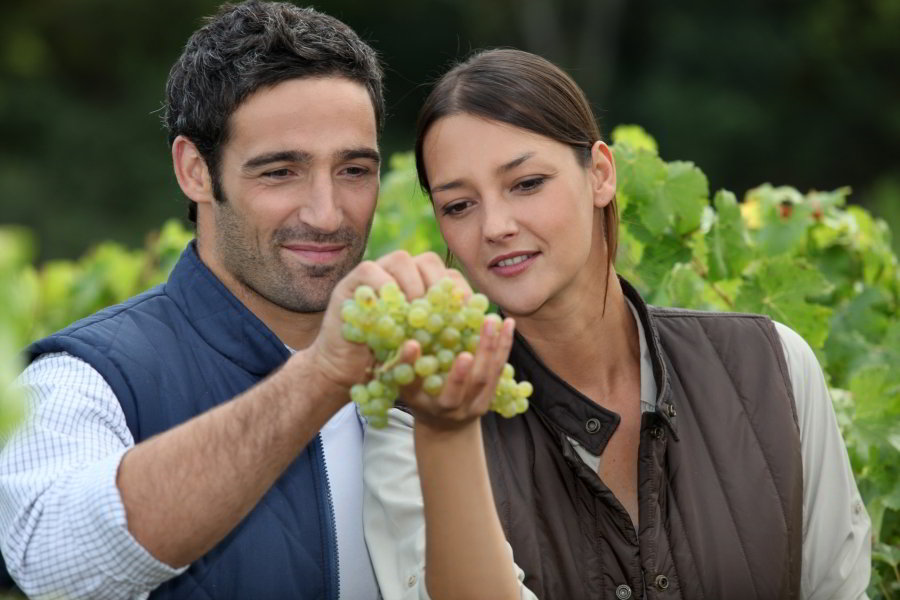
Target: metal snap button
{"points": [[623, 592], [662, 582], [670, 410], [592, 425], [657, 433]]}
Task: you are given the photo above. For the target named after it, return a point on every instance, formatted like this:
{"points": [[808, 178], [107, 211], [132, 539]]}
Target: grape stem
{"points": [[390, 363], [703, 272]]}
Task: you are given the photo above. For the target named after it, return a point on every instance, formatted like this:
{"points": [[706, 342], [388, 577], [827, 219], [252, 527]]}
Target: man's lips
{"points": [[316, 253]]}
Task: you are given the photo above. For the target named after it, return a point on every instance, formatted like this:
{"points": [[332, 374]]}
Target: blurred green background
{"points": [[799, 92]]}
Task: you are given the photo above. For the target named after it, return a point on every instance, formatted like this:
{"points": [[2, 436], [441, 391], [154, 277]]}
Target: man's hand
{"points": [[341, 363]]}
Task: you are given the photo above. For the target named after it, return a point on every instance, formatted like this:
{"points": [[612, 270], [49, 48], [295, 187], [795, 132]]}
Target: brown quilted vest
{"points": [[719, 472]]}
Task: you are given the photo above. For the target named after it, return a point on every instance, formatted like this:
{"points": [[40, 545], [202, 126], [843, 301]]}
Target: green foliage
{"points": [[806, 260], [809, 261]]}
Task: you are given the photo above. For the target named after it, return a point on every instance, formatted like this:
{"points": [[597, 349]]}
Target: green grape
{"points": [[404, 374], [375, 388], [359, 394], [473, 318], [433, 384], [384, 327], [350, 312], [445, 358], [478, 302], [390, 292], [352, 333], [470, 342], [365, 296], [444, 324], [426, 365], [418, 316], [458, 320], [434, 323], [424, 338], [449, 337]]}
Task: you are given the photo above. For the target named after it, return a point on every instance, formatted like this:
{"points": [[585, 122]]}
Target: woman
{"points": [[666, 453]]}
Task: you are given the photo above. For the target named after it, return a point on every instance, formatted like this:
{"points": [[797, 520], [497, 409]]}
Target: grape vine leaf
{"points": [[778, 287], [728, 241]]}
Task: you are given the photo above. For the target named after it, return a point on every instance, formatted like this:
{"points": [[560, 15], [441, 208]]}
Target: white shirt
{"points": [[836, 561], [62, 522]]}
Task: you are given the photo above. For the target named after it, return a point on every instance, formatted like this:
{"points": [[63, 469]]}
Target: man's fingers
{"points": [[365, 273], [402, 268], [431, 268]]}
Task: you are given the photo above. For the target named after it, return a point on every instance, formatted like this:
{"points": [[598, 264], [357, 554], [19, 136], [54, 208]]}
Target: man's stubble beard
{"points": [[258, 264]]}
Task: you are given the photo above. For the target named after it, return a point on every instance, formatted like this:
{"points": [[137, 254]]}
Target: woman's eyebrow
{"points": [[514, 163], [505, 167]]}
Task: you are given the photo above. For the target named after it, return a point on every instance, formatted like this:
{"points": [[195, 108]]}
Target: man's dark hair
{"points": [[253, 45]]}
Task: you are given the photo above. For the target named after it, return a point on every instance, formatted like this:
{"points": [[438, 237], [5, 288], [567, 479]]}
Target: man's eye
{"points": [[277, 173], [356, 171], [530, 185]]}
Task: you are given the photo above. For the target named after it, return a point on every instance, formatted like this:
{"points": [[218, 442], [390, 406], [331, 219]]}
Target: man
{"points": [[174, 441]]}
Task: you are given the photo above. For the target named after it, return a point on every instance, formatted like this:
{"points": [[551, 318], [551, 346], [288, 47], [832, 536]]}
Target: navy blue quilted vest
{"points": [[176, 351]]}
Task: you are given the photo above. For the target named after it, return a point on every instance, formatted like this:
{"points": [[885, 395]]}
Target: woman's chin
{"points": [[517, 306]]}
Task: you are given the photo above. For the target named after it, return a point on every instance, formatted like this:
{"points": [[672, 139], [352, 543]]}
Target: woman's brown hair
{"points": [[523, 90]]}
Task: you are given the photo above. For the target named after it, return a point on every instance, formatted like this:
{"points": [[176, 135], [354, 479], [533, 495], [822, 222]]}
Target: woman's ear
{"points": [[603, 174], [191, 171]]}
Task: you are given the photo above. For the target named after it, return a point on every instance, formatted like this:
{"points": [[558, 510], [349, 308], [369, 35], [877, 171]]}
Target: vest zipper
{"points": [[332, 557]]}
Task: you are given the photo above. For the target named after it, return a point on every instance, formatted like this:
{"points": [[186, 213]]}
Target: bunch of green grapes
{"points": [[443, 324]]}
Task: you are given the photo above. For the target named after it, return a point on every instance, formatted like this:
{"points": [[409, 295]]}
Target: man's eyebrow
{"points": [[361, 152], [501, 169], [294, 156]]}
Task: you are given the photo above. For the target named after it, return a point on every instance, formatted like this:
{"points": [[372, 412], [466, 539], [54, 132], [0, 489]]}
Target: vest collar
{"points": [[220, 318], [665, 408], [578, 416]]}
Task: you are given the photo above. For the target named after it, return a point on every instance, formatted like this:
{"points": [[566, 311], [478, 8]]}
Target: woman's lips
{"points": [[519, 264]]}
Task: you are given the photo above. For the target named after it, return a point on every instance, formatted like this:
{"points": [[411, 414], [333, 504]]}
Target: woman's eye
{"points": [[530, 185], [454, 208]]}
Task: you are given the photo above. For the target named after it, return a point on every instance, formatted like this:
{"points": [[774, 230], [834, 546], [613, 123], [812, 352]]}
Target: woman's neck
{"points": [[591, 348]]}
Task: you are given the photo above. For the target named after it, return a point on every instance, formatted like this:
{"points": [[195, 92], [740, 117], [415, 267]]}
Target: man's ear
{"points": [[191, 171], [603, 174]]}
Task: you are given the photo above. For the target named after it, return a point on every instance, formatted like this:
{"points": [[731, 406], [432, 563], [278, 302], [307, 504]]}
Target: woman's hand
{"points": [[469, 386]]}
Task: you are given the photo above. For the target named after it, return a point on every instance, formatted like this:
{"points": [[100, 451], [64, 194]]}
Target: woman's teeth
{"points": [[513, 261]]}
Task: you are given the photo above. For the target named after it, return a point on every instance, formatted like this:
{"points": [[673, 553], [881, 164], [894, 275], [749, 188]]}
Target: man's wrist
{"points": [[309, 377]]}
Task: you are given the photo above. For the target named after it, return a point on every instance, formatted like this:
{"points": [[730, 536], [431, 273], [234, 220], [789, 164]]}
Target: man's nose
{"points": [[320, 209]]}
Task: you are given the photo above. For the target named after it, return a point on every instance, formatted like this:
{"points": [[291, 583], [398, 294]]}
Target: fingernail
{"points": [[489, 327]]}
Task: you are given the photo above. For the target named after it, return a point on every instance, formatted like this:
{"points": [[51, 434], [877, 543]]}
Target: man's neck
{"points": [[295, 330]]}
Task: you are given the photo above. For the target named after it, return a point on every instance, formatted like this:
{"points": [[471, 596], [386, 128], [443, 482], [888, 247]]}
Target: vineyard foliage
{"points": [[810, 261]]}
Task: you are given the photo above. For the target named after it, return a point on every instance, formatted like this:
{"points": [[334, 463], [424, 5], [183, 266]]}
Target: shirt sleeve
{"points": [[63, 531], [393, 511], [837, 547]]}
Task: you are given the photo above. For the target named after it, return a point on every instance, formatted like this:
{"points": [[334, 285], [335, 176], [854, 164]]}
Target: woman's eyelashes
{"points": [[452, 209], [530, 184]]}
